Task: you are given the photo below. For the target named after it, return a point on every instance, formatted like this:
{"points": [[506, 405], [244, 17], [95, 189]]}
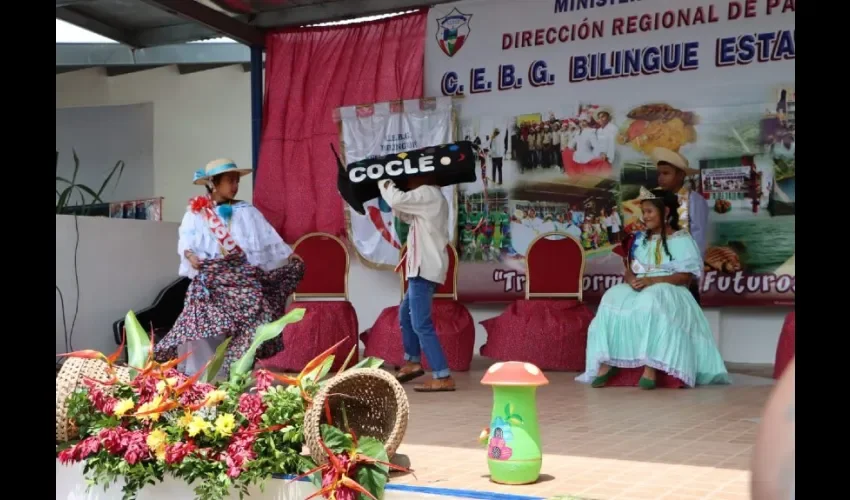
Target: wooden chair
{"points": [[452, 320], [549, 327], [323, 292]]}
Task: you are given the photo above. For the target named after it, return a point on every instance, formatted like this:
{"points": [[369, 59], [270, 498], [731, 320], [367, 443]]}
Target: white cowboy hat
{"points": [[602, 109], [217, 167], [673, 158]]}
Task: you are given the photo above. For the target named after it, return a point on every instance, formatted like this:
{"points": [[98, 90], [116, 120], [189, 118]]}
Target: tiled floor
{"points": [[612, 443]]}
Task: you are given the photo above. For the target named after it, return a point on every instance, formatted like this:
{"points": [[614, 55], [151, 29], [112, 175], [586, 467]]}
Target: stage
{"points": [[612, 443]]}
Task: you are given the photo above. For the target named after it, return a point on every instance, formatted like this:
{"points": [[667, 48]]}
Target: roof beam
{"points": [[196, 12], [69, 15], [126, 70], [110, 54], [336, 10]]}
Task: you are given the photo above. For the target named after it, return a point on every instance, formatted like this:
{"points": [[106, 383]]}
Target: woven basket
{"points": [[69, 379], [375, 406]]}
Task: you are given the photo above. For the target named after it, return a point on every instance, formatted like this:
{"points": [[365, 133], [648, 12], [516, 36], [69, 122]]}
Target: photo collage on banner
{"points": [[581, 108], [380, 129]]}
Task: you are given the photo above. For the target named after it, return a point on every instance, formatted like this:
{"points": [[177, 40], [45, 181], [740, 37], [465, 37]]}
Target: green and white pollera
{"points": [[514, 454]]}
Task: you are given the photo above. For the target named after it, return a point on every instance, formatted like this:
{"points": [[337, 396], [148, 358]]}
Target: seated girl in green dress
{"points": [[651, 320]]}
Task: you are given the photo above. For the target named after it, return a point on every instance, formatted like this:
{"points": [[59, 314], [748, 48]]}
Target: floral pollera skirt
{"points": [[230, 298]]}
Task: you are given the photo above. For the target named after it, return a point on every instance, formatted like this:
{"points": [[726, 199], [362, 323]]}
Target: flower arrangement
{"points": [[216, 436]]}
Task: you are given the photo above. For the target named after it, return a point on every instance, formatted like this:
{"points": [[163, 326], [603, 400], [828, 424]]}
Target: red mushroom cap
{"points": [[514, 373]]}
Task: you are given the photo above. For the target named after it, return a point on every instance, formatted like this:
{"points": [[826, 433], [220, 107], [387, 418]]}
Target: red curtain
{"points": [[309, 73]]}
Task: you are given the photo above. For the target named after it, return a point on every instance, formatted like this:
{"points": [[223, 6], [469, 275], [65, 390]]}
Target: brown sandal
{"points": [[409, 372], [437, 385]]}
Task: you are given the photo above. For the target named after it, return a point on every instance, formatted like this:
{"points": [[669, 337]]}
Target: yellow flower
{"points": [[215, 397], [160, 386], [160, 453], [155, 402], [224, 424], [156, 439], [197, 426], [123, 406], [185, 420]]}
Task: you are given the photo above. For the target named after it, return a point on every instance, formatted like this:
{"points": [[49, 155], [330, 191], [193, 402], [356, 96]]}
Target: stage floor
{"points": [[612, 443]]}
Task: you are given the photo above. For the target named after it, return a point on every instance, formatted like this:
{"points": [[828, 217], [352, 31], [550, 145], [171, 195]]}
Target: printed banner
{"points": [[382, 129], [567, 98]]}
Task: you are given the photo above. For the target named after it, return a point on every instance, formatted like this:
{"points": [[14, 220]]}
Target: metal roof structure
{"points": [[120, 59], [150, 23]]}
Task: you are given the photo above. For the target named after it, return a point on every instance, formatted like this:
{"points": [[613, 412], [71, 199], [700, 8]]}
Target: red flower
{"points": [[137, 447], [264, 380], [199, 203], [99, 399], [195, 394], [114, 440], [251, 407], [175, 453], [145, 387]]}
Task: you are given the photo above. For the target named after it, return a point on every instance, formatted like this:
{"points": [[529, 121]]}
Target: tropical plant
{"points": [[216, 436], [67, 188]]}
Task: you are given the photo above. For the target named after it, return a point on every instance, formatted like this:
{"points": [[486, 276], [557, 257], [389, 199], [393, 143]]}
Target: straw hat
{"points": [[600, 110], [216, 167], [673, 158]]}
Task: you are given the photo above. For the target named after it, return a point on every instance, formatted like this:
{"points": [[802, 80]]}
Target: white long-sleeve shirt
{"points": [[427, 211], [497, 147], [606, 141]]}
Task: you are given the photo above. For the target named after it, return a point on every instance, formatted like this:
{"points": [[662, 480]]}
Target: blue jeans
{"points": [[417, 328]]}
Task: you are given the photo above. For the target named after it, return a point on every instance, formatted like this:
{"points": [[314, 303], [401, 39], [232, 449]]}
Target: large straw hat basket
{"points": [[375, 406], [69, 379]]}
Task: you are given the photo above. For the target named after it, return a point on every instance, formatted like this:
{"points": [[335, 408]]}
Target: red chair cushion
{"points": [[550, 333], [785, 349], [555, 266], [324, 324], [326, 265], [455, 329]]}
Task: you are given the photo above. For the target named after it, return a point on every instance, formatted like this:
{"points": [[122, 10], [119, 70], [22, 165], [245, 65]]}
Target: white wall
{"points": [[122, 264], [197, 118], [201, 116]]}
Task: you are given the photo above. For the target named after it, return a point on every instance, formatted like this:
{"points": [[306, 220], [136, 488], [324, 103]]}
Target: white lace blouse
{"points": [[262, 245]]}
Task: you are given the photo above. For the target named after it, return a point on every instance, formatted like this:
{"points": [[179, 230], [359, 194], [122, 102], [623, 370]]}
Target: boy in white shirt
{"points": [[424, 207]]}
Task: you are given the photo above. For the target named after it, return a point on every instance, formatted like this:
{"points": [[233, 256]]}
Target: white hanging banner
{"points": [[381, 129]]}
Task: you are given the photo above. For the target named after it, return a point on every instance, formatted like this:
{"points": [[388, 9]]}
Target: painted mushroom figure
{"points": [[514, 453]]}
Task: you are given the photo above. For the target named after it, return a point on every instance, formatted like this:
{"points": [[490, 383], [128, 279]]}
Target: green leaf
{"points": [[373, 448], [370, 362], [336, 440], [373, 478], [264, 333], [515, 420], [138, 342], [216, 362], [509, 409]]}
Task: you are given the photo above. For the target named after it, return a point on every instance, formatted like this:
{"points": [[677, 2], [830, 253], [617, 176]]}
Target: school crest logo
{"points": [[452, 31]]}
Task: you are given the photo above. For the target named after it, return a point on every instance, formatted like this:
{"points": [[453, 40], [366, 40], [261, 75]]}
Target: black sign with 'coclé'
{"points": [[449, 164]]}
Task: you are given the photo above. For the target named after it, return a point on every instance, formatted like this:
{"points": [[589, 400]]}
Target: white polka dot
{"points": [[495, 368], [531, 369], [445, 160]]}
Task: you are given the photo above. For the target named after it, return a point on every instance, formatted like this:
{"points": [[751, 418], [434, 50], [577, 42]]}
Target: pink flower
{"points": [[251, 407], [498, 450], [175, 453], [114, 440], [137, 447], [264, 380], [66, 456], [88, 446]]}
